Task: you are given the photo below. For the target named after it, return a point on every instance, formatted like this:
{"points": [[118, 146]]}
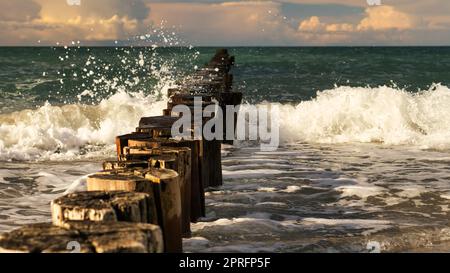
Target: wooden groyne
{"points": [[147, 199]]}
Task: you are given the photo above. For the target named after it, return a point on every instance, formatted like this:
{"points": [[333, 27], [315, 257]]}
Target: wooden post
{"points": [[104, 207], [122, 142], [234, 99], [180, 161], [197, 203], [211, 163], [168, 189], [118, 182], [182, 165], [214, 159], [164, 185], [84, 237], [197, 197], [123, 165], [157, 127]]}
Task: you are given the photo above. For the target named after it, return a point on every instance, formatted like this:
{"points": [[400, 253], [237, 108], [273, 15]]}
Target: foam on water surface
{"points": [[361, 114], [384, 115], [334, 198], [28, 188], [73, 131]]}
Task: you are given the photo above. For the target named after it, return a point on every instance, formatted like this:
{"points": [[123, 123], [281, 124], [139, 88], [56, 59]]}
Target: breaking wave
{"points": [[380, 115], [71, 131], [341, 115]]}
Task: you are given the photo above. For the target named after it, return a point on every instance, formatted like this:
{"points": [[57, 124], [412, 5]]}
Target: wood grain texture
{"points": [[102, 206], [91, 237]]}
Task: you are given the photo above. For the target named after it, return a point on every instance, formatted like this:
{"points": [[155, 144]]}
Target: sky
{"points": [[225, 23]]}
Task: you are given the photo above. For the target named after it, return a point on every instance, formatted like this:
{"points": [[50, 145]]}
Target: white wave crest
{"points": [[341, 115], [360, 114], [62, 132]]}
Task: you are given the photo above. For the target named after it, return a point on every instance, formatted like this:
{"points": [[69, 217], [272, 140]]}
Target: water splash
{"points": [[371, 115]]}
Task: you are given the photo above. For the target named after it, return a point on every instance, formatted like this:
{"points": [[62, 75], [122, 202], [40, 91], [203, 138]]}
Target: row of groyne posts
{"points": [[146, 200]]}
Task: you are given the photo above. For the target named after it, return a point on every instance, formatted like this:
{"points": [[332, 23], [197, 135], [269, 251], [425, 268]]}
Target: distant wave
{"points": [[361, 114]]}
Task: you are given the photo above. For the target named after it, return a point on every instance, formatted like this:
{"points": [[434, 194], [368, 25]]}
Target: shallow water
{"points": [[328, 198], [26, 189], [301, 198]]}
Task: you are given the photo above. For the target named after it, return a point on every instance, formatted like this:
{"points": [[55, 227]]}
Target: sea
{"points": [[363, 163]]}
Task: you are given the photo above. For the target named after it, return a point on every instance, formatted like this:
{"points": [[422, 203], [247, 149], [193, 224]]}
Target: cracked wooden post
{"points": [[84, 237], [104, 207]]}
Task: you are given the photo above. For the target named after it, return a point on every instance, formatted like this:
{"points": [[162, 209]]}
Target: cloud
{"points": [[314, 31], [384, 18], [379, 18], [19, 10], [95, 9], [53, 21], [311, 24], [225, 22], [340, 27], [230, 23], [381, 24]]}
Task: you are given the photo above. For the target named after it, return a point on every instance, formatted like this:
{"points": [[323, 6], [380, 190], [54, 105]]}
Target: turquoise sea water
{"points": [[364, 150]]}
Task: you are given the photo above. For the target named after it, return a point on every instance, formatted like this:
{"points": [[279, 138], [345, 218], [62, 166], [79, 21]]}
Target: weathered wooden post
{"points": [[164, 185], [119, 182], [181, 164], [122, 142], [84, 237], [102, 206], [124, 165], [197, 193], [210, 157], [157, 127], [168, 190]]}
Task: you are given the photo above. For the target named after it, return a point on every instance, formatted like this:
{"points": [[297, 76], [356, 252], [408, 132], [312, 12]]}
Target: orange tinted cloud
{"points": [[311, 24], [52, 21], [225, 23], [385, 17], [377, 19]]}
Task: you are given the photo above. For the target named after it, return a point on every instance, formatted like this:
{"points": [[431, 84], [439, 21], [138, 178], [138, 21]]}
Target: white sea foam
{"points": [[340, 115], [62, 132], [362, 114]]}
